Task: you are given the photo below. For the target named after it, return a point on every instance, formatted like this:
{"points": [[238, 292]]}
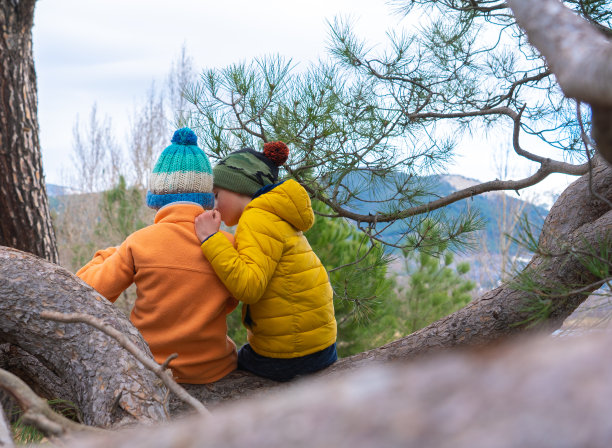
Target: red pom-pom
{"points": [[277, 152]]}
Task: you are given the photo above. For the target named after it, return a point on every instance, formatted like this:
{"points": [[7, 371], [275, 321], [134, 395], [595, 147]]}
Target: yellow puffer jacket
{"points": [[274, 271]]}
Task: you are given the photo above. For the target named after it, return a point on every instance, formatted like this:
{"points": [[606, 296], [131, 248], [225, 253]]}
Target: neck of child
{"points": [[243, 201]]}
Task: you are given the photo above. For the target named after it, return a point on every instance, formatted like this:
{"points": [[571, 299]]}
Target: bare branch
{"points": [[566, 168], [149, 363], [547, 167], [37, 412], [244, 125], [166, 363], [481, 6], [516, 84]]}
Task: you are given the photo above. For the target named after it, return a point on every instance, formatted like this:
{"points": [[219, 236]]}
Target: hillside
{"points": [[54, 192], [491, 207]]}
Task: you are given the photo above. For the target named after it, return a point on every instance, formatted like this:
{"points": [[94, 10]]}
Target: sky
{"points": [[108, 52]]}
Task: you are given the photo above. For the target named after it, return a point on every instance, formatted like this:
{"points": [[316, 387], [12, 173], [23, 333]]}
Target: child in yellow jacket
{"points": [[181, 304], [287, 298]]}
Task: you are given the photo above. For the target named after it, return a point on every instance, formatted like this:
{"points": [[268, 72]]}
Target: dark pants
{"points": [[285, 369]]}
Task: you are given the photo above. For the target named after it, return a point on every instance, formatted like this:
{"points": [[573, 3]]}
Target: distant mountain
{"points": [[59, 190], [54, 192], [487, 260], [490, 206]]}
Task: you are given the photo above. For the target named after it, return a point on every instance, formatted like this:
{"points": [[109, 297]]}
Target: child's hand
{"points": [[207, 223]]}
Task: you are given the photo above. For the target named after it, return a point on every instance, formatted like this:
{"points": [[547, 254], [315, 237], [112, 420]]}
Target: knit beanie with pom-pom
{"points": [[247, 171], [182, 173]]}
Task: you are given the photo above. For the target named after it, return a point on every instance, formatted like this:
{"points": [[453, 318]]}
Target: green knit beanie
{"points": [[246, 171]]}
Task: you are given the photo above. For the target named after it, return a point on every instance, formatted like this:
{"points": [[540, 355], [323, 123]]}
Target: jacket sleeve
{"points": [[246, 269], [110, 271]]}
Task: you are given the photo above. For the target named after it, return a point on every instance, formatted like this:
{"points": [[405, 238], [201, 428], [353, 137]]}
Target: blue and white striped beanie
{"points": [[182, 173]]}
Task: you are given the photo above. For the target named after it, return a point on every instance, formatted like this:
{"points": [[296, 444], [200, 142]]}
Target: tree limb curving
{"points": [[95, 368], [147, 361], [579, 55]]}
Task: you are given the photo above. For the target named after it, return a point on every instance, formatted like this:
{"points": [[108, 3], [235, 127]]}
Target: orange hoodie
{"points": [[181, 304]]}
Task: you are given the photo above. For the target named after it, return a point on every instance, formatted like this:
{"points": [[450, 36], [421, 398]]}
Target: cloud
{"points": [[109, 51]]}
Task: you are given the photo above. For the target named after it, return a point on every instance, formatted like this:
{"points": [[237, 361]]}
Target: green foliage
{"points": [[434, 287], [358, 274], [26, 434], [376, 112], [235, 329], [339, 122], [120, 211], [526, 236], [540, 295], [82, 253], [596, 259]]}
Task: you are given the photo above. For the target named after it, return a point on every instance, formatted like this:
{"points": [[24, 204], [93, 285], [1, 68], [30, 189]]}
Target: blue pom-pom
{"points": [[185, 136]]}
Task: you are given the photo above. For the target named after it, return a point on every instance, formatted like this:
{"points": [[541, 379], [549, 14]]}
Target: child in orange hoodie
{"points": [[181, 304]]}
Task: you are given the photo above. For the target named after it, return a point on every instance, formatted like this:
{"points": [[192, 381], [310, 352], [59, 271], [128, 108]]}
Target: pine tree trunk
{"points": [[26, 221]]}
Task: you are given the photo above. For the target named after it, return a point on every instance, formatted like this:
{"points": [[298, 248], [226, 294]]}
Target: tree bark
{"points": [[82, 364], [74, 354], [579, 55], [26, 221], [531, 393]]}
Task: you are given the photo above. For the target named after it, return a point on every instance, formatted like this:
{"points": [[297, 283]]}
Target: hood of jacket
{"points": [[288, 200]]}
